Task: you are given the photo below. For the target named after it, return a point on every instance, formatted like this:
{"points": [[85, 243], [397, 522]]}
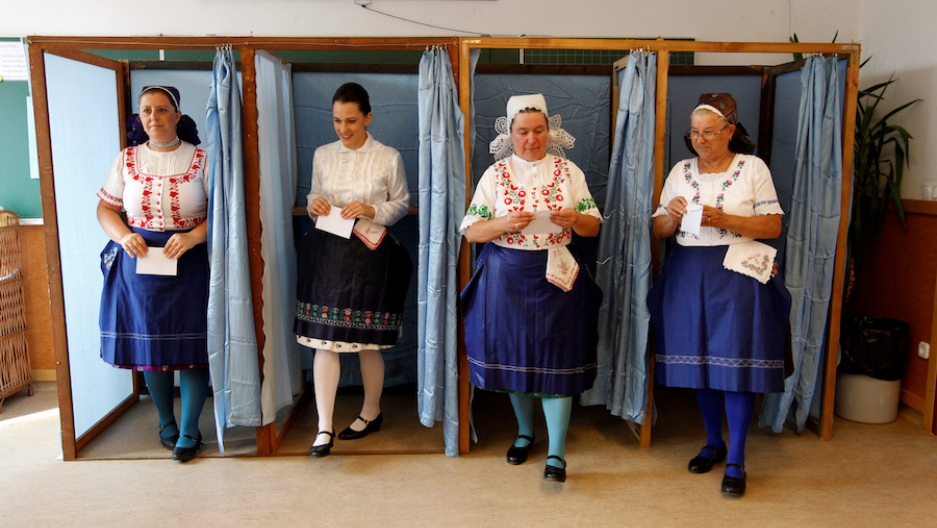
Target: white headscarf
{"points": [[557, 139]]}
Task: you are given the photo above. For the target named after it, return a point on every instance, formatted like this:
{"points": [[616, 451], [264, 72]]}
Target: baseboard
{"points": [[43, 374], [912, 400]]}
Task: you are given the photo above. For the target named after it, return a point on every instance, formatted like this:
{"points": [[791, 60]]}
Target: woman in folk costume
{"points": [[351, 291], [719, 308], [158, 323], [531, 308]]}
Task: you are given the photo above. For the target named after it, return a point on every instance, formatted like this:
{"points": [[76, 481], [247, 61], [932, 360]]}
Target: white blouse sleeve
{"points": [[483, 201], [668, 192], [766, 196], [585, 204], [398, 196], [112, 193]]}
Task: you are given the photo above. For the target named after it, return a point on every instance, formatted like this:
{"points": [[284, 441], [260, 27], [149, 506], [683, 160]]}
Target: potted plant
{"points": [[873, 348]]}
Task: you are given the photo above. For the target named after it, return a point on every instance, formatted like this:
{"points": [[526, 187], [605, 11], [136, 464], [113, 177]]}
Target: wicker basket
{"points": [[14, 356]]}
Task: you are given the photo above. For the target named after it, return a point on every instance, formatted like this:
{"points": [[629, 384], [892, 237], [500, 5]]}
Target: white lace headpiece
{"points": [[557, 139]]}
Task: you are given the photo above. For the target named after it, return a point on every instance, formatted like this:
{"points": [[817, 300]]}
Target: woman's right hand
{"points": [[134, 245], [676, 208], [516, 221], [320, 207]]}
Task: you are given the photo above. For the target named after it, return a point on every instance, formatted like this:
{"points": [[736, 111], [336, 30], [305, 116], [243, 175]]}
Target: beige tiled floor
{"points": [[869, 475]]}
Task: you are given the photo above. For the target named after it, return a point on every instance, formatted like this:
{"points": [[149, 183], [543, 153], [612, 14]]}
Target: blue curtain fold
{"points": [[441, 203], [811, 238], [282, 371], [624, 258], [232, 344]]}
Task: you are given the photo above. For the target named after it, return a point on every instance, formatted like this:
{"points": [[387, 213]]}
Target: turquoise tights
{"points": [[556, 411]]}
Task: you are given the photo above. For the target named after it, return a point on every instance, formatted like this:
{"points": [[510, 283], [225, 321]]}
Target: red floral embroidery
{"points": [[153, 189]]}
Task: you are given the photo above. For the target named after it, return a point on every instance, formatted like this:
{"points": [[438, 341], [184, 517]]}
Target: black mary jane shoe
{"points": [[370, 426], [169, 442], [702, 464], [184, 454], [323, 450], [553, 473], [518, 455], [734, 486]]}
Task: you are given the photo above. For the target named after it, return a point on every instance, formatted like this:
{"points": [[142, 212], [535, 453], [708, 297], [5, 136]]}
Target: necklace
{"points": [[175, 141]]}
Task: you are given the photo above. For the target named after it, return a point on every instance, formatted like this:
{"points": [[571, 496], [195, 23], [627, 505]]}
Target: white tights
{"points": [[326, 369]]}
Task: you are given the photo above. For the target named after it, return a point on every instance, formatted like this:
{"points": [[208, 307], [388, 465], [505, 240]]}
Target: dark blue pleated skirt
{"points": [[715, 328], [348, 292], [154, 322], [524, 334]]}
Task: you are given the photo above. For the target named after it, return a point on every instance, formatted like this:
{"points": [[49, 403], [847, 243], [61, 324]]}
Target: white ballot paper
{"points": [[541, 224], [335, 224], [692, 219], [156, 263]]}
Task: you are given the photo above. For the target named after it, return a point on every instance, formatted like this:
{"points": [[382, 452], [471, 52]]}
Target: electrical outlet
{"points": [[923, 350]]}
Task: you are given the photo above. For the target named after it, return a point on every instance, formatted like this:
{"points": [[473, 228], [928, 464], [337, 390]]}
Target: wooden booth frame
{"points": [[664, 48], [268, 438]]}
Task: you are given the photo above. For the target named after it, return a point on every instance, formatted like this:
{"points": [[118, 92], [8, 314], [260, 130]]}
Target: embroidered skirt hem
{"points": [[715, 328], [349, 293], [154, 322], [524, 334]]}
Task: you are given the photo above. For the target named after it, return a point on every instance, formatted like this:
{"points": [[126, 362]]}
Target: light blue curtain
{"points": [[624, 257], [441, 205], [232, 345], [282, 372], [811, 237]]}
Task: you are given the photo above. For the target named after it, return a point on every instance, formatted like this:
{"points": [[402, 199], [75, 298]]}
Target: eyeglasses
{"points": [[708, 135]]}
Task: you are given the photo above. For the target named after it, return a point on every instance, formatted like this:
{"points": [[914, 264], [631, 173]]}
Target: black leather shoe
{"points": [[734, 486], [184, 454], [323, 450], [169, 442], [702, 464], [555, 474], [370, 426], [518, 455]]}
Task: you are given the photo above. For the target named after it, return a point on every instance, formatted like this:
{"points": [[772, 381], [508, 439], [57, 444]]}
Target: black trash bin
{"points": [[874, 346], [874, 352]]}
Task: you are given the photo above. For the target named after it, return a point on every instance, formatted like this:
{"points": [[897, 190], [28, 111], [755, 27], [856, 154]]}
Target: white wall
{"points": [[710, 20], [899, 36]]}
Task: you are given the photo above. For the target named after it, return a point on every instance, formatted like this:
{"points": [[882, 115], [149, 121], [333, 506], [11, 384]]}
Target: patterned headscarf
{"points": [[723, 105]]}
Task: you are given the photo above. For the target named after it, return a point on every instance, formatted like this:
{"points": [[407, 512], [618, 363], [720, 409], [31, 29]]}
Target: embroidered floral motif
{"points": [[348, 317], [110, 199], [152, 218], [688, 176], [549, 197], [720, 198], [564, 268], [586, 204], [757, 263], [480, 210], [726, 186], [109, 257]]}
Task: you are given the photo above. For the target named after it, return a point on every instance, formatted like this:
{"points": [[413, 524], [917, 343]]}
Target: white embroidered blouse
{"points": [[161, 191], [372, 174], [746, 189], [514, 184]]}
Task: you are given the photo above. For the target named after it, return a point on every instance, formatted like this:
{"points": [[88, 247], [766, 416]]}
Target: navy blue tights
{"points": [[739, 407]]}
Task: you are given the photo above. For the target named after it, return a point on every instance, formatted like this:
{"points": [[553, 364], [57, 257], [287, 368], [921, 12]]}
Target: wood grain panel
{"points": [[38, 309], [896, 278]]}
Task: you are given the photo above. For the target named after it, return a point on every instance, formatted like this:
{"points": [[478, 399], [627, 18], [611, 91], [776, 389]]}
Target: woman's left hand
{"points": [[358, 209], [713, 217], [565, 218], [178, 244]]}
